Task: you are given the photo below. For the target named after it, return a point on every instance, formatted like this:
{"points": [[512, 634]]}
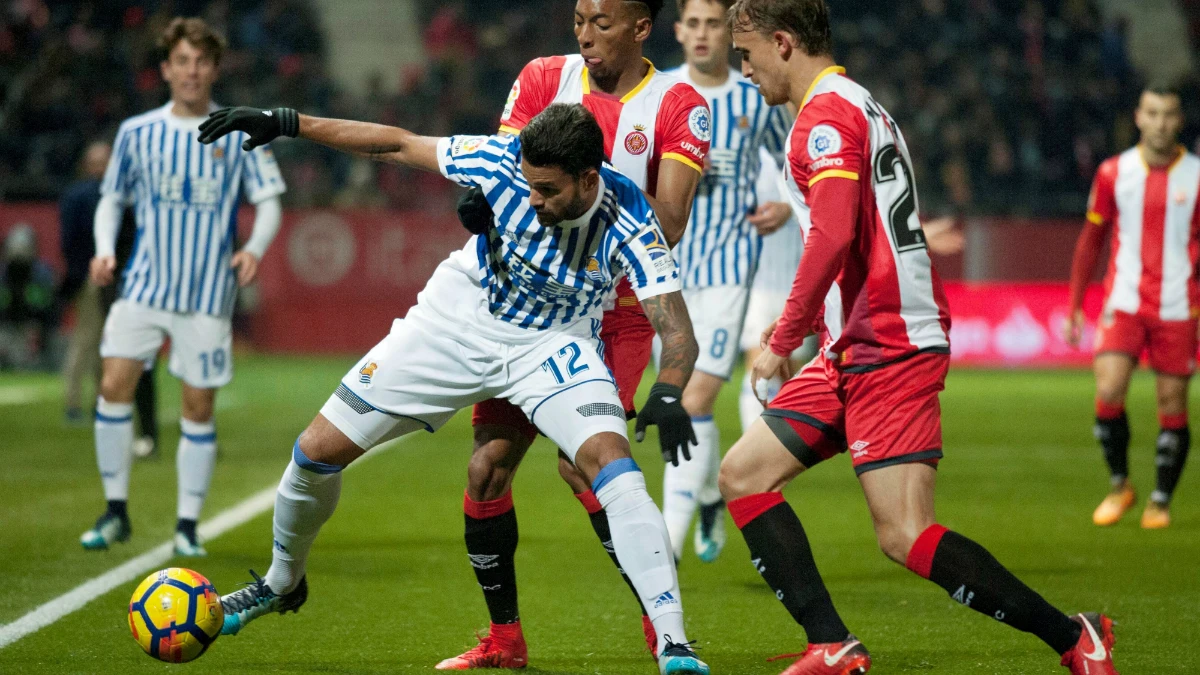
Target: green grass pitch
{"points": [[392, 592]]}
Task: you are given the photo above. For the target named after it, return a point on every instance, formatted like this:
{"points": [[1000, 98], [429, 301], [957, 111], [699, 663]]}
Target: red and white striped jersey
{"points": [[887, 301], [662, 117], [1152, 271]]}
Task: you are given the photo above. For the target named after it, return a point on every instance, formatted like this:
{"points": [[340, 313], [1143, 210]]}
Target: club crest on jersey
{"points": [[366, 373], [218, 152], [700, 124], [593, 270], [636, 142], [823, 140], [1181, 198], [743, 123], [512, 100]]}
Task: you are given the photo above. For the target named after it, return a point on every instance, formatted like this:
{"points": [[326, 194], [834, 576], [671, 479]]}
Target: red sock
{"points": [[1109, 411], [1173, 422], [589, 501], [745, 509], [488, 509]]}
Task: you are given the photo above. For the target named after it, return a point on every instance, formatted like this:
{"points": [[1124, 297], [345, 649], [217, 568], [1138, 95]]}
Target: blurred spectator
{"points": [[27, 316], [1008, 106]]}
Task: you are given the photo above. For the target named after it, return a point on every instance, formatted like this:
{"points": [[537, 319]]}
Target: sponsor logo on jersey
{"points": [[823, 140], [636, 142], [466, 145], [366, 373], [826, 162], [694, 149], [512, 100], [700, 123], [655, 246]]}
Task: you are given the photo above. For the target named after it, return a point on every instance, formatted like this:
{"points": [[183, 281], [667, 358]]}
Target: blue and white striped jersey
{"points": [[539, 277], [720, 247], [185, 199]]}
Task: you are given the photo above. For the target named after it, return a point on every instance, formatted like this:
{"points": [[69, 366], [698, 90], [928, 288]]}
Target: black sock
{"points": [[1173, 446], [780, 552], [117, 507], [974, 578], [1113, 435], [145, 399], [709, 514], [491, 545], [187, 527], [600, 525]]}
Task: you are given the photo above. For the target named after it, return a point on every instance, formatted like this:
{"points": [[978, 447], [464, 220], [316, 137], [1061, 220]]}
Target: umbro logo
{"points": [[483, 562]]}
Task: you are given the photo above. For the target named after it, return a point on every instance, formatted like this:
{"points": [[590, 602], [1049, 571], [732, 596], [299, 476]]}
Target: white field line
{"points": [[155, 558]]}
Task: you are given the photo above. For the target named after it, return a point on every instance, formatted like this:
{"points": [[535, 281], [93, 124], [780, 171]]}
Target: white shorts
{"points": [[427, 369], [763, 308], [716, 313], [201, 344]]}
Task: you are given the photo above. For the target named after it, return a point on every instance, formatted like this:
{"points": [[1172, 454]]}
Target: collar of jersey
{"points": [[586, 217], [831, 70], [587, 87], [710, 92]]}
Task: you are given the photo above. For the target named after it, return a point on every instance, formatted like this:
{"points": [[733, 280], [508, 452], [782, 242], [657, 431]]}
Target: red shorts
{"points": [[1170, 346], [628, 339], [886, 415]]}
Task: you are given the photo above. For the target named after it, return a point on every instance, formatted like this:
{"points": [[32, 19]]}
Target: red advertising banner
{"points": [[1017, 324], [335, 280]]}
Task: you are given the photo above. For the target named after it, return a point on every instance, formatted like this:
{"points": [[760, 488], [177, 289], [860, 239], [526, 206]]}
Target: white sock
{"points": [[639, 538], [304, 501], [748, 405], [114, 447], [682, 484], [194, 465], [709, 436]]}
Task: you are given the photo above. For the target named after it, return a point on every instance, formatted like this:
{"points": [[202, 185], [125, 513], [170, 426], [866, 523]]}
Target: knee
{"points": [[599, 451], [1110, 393], [739, 478], [198, 409], [896, 539], [487, 480], [572, 475], [697, 404], [1172, 400], [115, 388]]}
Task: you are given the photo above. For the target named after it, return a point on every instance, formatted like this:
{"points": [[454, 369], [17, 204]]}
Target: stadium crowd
{"points": [[1007, 104]]}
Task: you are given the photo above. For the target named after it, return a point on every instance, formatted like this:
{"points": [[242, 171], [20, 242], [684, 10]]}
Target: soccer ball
{"points": [[175, 614]]}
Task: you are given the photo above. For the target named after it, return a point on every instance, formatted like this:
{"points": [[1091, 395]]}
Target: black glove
{"points": [[664, 408], [474, 211], [263, 126]]}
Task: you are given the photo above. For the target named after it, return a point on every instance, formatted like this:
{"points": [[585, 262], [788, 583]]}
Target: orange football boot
{"points": [[1118, 501]]}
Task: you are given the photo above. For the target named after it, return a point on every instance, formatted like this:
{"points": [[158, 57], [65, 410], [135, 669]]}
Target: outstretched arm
{"points": [[365, 139]]}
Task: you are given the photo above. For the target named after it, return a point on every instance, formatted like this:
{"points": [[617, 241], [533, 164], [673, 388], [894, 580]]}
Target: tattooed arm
{"points": [[669, 316], [373, 141]]}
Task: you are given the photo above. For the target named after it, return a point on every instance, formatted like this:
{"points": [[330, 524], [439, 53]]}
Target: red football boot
{"points": [[835, 658], [651, 637], [503, 647], [1092, 655]]}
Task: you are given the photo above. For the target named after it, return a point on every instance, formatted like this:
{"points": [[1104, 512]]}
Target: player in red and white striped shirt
{"points": [[1147, 196], [875, 384]]}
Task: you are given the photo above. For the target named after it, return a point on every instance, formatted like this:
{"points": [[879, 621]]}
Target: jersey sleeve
{"points": [[831, 142], [260, 175], [1102, 202], [684, 128], [532, 92], [121, 173], [648, 263], [474, 160]]}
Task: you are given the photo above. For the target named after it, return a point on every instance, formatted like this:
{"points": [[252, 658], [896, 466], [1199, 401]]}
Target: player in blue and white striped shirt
{"points": [[514, 315], [719, 254], [182, 277]]}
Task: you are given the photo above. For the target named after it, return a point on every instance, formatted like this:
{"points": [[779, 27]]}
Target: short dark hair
{"points": [[1163, 87], [807, 20], [652, 6], [564, 135], [682, 4], [195, 31]]}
